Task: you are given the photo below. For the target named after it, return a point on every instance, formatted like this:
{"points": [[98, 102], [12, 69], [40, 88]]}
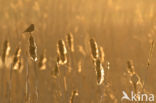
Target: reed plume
{"points": [[21, 64], [32, 48], [61, 52], [16, 59], [99, 72], [94, 49], [73, 95], [130, 65], [70, 41], [101, 54], [97, 55], [135, 80], [56, 70], [42, 61], [6, 50]]}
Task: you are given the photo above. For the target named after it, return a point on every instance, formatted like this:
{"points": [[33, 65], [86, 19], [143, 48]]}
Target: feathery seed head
{"points": [[94, 49], [32, 48], [62, 52], [70, 41]]}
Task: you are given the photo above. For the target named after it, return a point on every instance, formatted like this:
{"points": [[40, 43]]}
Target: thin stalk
{"points": [[27, 83], [10, 85], [150, 54], [2, 83], [36, 82]]}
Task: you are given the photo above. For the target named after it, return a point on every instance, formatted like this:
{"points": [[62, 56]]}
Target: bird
{"points": [[30, 29]]}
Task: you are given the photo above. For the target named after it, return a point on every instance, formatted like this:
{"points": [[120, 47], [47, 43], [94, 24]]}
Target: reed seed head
{"points": [[16, 59], [70, 41], [6, 50], [32, 48], [73, 95], [135, 80], [99, 72], [42, 61], [55, 71], [101, 54], [94, 49], [130, 65], [62, 52]]}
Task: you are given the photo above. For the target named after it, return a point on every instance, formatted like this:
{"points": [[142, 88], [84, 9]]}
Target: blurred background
{"points": [[124, 28]]}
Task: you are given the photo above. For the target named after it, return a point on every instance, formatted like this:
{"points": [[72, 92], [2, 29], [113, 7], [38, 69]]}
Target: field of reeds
{"points": [[76, 51]]}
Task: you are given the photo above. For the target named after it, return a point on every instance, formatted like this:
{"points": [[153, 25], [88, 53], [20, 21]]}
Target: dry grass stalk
{"points": [[65, 83], [27, 92], [70, 41], [6, 50], [33, 55], [73, 95], [36, 83], [10, 84], [94, 49], [61, 52], [150, 54], [99, 72], [5, 53], [32, 48]]}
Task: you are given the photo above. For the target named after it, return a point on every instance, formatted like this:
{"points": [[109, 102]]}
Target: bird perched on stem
{"points": [[30, 29]]}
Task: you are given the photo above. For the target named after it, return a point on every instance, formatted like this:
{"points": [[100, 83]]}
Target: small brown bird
{"points": [[30, 29]]}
